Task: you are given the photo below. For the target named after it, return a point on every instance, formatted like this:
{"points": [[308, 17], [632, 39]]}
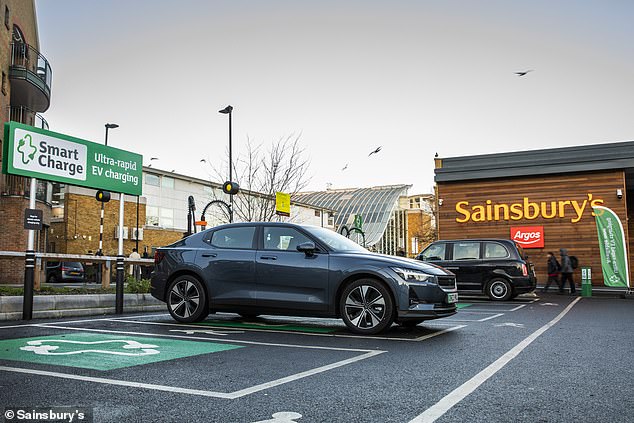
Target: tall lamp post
{"points": [[100, 252], [227, 111]]}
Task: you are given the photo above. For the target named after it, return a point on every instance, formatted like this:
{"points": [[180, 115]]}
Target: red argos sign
{"points": [[528, 236]]}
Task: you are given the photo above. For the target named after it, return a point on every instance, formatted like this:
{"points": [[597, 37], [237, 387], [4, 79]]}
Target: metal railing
{"points": [[25, 115], [26, 57]]}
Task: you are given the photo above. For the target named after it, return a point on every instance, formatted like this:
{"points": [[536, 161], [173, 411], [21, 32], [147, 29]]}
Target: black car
{"points": [[279, 268], [64, 271], [497, 267]]}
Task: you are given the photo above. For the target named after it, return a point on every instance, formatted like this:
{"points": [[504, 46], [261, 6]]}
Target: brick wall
{"points": [[14, 236]]}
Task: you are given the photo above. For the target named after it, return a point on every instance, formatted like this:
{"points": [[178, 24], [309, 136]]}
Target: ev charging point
{"points": [[586, 282]]}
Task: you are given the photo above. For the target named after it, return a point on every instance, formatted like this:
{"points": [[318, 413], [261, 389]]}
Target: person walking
{"points": [[134, 268], [553, 272], [566, 271]]}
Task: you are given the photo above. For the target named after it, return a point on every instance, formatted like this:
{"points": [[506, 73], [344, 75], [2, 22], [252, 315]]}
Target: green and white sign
{"points": [[612, 246], [41, 154]]}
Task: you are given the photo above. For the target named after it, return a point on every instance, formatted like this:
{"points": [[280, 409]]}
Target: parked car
{"points": [[64, 271], [497, 267], [286, 269]]}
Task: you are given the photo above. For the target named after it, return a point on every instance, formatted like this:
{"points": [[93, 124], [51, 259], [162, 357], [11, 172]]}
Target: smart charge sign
{"points": [[47, 155]]}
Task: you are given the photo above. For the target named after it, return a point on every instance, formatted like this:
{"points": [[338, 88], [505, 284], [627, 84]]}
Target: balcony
{"points": [[27, 116], [30, 76]]}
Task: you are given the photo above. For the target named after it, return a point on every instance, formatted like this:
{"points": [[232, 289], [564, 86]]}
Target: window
{"points": [[4, 83], [167, 182], [151, 216], [152, 179], [466, 251], [167, 218], [7, 16], [434, 252], [280, 238], [317, 213], [240, 237], [495, 250]]}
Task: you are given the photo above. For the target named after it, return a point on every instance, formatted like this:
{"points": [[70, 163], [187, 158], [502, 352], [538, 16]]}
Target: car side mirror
{"points": [[307, 248]]}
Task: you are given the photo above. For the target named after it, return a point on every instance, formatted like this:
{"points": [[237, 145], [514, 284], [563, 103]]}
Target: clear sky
{"points": [[415, 77]]}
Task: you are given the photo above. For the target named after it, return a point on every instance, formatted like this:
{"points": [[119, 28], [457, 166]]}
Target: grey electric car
{"points": [[286, 269]]}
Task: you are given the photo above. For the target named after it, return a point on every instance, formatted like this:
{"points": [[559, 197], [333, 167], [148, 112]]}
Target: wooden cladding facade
{"points": [[569, 228]]}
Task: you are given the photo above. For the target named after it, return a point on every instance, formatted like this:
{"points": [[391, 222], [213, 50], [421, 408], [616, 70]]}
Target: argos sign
{"points": [[528, 236]]}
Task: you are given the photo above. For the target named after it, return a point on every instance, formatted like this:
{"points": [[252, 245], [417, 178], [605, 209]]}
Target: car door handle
{"points": [[269, 257], [452, 268], [209, 254]]}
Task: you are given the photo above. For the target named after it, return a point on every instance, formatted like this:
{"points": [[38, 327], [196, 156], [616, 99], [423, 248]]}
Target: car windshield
{"points": [[73, 264], [335, 241]]}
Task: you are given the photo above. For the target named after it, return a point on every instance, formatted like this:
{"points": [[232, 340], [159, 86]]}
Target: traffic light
{"points": [[103, 196], [230, 188]]}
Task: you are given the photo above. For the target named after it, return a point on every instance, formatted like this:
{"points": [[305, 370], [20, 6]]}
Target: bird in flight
{"points": [[345, 167], [523, 73], [375, 151]]}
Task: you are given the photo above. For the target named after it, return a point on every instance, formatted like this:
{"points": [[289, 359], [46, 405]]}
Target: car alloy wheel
{"points": [[499, 290], [187, 300], [366, 307]]}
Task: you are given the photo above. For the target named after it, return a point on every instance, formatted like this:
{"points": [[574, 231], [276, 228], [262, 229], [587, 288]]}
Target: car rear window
{"points": [[495, 250], [466, 251], [240, 237]]}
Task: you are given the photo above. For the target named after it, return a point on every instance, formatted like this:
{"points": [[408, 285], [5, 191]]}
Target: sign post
{"points": [[40, 154], [120, 263], [29, 262]]}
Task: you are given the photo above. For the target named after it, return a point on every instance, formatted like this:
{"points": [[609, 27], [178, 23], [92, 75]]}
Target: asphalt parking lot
{"points": [[546, 359]]}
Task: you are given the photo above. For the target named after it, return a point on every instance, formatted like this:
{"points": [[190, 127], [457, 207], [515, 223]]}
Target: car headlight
{"points": [[412, 275]]}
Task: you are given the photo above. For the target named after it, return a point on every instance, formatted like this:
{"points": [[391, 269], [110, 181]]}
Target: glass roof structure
{"points": [[375, 205]]}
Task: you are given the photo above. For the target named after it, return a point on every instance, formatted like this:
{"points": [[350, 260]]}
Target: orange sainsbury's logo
{"points": [[528, 210]]}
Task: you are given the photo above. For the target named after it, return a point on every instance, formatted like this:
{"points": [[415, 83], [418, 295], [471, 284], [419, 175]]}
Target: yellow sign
{"points": [[283, 204], [527, 209]]}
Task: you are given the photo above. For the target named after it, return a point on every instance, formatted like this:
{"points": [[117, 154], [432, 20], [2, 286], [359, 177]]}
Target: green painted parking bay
{"points": [[103, 351]]}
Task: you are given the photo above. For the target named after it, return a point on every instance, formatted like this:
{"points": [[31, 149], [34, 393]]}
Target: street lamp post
{"points": [[227, 111], [100, 251]]}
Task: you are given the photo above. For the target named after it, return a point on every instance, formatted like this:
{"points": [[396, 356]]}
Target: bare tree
{"points": [[261, 173]]}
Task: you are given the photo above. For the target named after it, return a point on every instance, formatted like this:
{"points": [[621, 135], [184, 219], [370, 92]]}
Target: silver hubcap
{"points": [[184, 299], [498, 289], [365, 307]]}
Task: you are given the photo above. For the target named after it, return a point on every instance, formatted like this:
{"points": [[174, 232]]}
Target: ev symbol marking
{"points": [[22, 146], [44, 347]]}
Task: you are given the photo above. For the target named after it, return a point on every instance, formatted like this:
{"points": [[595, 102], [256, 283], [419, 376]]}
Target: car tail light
{"points": [[524, 270], [158, 256]]}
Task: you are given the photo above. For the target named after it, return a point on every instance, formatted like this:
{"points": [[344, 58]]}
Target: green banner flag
{"points": [[612, 247]]}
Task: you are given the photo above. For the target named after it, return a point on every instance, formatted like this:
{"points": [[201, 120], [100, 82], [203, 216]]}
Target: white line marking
{"points": [[445, 404], [491, 317], [518, 307], [431, 335], [213, 394]]}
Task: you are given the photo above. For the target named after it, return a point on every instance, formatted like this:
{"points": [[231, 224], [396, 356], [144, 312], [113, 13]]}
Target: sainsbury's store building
{"points": [[542, 198]]}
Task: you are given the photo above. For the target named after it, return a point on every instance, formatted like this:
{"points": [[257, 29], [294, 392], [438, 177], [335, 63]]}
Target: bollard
{"points": [[586, 282]]}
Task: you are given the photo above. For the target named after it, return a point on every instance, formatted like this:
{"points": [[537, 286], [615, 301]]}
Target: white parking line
{"points": [[212, 394], [495, 316], [445, 404]]}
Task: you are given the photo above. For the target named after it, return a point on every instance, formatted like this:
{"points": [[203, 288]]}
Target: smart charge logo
{"points": [[51, 156]]}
